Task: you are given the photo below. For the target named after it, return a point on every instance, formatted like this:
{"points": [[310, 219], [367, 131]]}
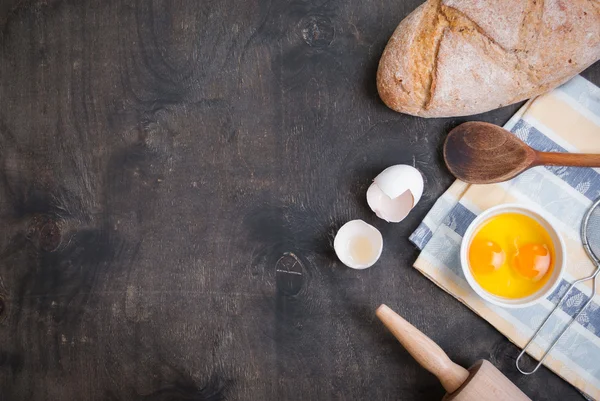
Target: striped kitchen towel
{"points": [[564, 120]]}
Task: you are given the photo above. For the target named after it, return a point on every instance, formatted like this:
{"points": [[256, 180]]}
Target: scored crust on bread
{"points": [[465, 70], [462, 57]]}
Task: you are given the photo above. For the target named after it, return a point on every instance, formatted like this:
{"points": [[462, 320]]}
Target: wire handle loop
{"points": [[596, 259], [562, 333]]}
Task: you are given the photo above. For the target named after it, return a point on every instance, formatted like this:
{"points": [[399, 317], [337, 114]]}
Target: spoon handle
{"points": [[566, 159]]}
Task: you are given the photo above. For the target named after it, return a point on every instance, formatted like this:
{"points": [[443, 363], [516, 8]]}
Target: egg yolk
{"points": [[485, 256], [532, 261], [511, 255]]}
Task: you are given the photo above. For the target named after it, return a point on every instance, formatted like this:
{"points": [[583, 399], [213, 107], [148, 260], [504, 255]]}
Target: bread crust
{"points": [[463, 57]]}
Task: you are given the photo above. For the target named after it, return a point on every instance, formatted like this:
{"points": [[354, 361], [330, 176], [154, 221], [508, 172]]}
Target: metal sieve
{"points": [[590, 236]]}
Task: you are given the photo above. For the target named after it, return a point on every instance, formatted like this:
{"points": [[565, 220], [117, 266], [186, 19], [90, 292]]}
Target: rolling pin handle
{"points": [[427, 353]]}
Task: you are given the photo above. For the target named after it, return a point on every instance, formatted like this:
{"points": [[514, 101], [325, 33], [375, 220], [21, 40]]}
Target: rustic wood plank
{"points": [[167, 165]]}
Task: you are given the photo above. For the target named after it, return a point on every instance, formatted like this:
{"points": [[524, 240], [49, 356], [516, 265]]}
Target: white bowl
{"points": [[559, 260]]}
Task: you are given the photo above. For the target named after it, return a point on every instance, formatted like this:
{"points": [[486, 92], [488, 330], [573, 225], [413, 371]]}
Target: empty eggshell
{"points": [[358, 244], [394, 192]]}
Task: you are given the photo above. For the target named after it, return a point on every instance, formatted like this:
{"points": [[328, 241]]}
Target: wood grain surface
{"points": [[172, 174]]}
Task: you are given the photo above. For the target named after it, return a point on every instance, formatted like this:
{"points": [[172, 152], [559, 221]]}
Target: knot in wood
{"points": [[317, 31], [50, 236], [289, 273]]}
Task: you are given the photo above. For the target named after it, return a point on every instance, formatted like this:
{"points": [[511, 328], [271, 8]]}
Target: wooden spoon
{"points": [[482, 153]]}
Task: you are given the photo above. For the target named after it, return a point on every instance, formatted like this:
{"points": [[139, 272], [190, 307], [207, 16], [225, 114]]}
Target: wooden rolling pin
{"points": [[482, 382]]}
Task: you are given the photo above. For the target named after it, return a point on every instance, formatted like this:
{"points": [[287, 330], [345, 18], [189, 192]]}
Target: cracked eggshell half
{"points": [[394, 192], [358, 245]]}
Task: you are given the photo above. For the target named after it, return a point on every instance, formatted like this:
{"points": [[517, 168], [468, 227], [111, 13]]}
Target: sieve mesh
{"points": [[591, 231]]}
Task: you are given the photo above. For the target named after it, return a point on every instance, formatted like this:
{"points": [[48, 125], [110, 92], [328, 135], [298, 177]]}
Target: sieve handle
{"points": [[562, 333]]}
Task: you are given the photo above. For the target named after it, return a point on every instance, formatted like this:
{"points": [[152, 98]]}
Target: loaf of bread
{"points": [[463, 57]]}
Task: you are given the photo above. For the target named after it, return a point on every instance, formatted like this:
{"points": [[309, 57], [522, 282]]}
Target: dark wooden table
{"points": [[159, 160]]}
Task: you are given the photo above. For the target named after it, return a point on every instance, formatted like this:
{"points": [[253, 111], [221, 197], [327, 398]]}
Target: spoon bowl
{"points": [[482, 153]]}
